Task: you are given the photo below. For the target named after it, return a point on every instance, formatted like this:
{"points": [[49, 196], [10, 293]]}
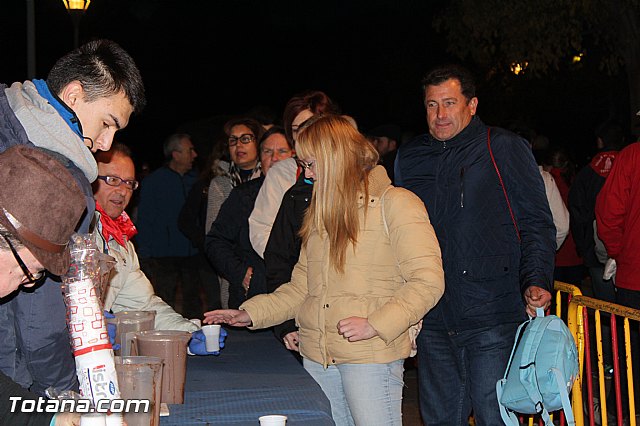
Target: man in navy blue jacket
{"points": [[497, 239]]}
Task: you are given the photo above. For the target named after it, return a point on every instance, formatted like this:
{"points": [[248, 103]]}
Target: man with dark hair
{"points": [[498, 243], [89, 95]]}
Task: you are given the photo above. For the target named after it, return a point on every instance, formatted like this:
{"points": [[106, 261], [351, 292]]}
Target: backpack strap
{"points": [[508, 416], [564, 396], [504, 190]]}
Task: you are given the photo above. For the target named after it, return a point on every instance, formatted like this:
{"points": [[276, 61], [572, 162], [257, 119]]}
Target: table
{"points": [[253, 376]]}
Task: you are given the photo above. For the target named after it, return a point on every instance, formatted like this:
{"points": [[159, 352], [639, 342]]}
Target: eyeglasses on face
{"points": [[116, 181], [245, 139], [305, 165], [30, 278], [281, 151]]}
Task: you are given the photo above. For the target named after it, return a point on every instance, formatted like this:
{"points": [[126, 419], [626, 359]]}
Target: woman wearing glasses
{"points": [[243, 135], [227, 243], [370, 267]]}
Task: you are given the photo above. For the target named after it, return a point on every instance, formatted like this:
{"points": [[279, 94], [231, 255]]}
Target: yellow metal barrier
{"points": [[576, 325]]}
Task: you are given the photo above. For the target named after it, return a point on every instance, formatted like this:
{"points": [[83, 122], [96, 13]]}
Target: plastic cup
{"points": [[212, 333], [273, 420], [170, 345], [140, 377], [93, 419]]}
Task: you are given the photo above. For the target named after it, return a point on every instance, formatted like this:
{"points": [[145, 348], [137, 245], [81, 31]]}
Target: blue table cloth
{"points": [[254, 375]]}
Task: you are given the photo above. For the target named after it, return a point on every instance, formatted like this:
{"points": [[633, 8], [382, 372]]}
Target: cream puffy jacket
{"points": [[129, 288], [393, 279]]}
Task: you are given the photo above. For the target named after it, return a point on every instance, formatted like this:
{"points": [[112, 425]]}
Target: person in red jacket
{"points": [[618, 221]]}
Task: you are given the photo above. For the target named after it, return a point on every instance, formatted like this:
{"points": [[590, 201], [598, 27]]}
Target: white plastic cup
{"points": [[212, 334], [93, 419], [273, 420]]}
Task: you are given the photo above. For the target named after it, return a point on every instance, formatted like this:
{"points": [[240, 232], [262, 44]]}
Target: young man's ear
{"points": [[72, 93]]}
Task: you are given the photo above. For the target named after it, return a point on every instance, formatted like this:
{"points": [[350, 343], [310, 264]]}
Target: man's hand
{"points": [[111, 330], [197, 344], [536, 297], [356, 328], [234, 317], [291, 341]]}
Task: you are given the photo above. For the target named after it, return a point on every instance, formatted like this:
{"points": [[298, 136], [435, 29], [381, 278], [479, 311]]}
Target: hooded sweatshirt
{"points": [[46, 128]]}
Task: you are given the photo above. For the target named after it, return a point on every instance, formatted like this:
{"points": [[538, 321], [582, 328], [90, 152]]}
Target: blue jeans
{"points": [[362, 394], [457, 373]]}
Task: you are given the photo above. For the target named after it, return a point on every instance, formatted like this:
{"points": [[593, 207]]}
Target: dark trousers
{"points": [[457, 373], [210, 284]]}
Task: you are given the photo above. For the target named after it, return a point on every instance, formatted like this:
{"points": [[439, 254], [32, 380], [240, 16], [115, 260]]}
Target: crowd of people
{"points": [[357, 246]]}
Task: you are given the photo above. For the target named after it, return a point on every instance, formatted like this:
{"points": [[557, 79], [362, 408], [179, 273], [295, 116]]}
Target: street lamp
{"points": [[76, 9]]}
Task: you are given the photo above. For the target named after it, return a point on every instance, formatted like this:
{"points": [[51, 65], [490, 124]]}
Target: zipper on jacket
{"points": [[462, 187]]}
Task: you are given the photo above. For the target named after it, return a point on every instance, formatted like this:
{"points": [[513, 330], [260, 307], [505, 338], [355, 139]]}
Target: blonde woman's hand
{"points": [[356, 328], [233, 317], [291, 341]]}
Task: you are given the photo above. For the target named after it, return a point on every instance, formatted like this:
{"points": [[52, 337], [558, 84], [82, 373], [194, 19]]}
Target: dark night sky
{"points": [[219, 58]]}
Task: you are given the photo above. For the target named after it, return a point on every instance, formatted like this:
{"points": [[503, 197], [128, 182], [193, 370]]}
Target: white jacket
{"points": [[281, 177], [558, 209], [130, 290]]}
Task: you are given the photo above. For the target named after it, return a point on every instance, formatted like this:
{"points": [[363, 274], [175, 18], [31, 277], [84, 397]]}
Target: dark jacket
{"points": [[228, 246], [582, 204], [8, 388], [487, 269], [283, 248], [162, 195], [193, 215]]}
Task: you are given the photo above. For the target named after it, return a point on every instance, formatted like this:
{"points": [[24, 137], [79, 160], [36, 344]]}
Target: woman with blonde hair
{"points": [[369, 269]]}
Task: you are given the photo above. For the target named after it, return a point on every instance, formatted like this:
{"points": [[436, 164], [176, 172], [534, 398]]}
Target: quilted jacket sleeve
{"points": [[525, 189], [414, 242], [274, 308]]}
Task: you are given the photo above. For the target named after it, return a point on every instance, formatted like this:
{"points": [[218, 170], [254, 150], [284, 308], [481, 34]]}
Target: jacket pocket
{"points": [[485, 268]]}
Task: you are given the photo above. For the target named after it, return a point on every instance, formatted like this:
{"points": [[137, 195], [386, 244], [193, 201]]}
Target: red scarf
{"points": [[116, 228]]}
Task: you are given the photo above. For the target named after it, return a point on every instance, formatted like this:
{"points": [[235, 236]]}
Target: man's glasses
{"points": [[30, 278], [245, 139], [116, 181]]}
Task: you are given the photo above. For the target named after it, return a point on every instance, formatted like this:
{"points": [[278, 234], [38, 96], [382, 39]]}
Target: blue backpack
{"points": [[541, 371]]}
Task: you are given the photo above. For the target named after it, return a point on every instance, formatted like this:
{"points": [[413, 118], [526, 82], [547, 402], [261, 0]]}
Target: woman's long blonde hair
{"points": [[343, 158]]}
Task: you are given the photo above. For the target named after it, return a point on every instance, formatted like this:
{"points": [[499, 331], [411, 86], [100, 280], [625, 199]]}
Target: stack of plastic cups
{"points": [[95, 364]]}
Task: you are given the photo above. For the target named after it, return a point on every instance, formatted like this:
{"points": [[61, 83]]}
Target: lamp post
{"points": [[76, 9]]}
